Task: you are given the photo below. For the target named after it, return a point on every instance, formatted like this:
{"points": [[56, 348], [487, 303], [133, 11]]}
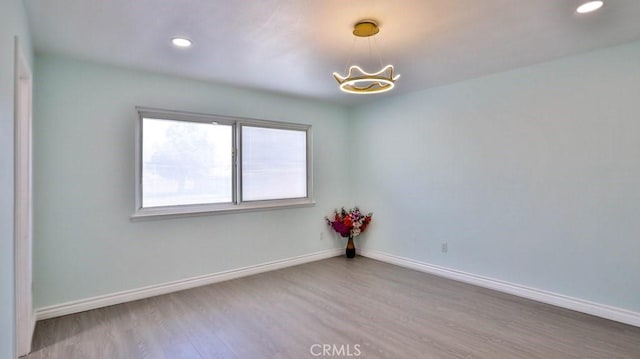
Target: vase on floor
{"points": [[351, 248]]}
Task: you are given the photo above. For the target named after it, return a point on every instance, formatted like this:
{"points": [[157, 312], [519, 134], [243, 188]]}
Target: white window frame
{"points": [[237, 204]]}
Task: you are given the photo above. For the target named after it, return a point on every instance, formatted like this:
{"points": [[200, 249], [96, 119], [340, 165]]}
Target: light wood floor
{"points": [[360, 306]]}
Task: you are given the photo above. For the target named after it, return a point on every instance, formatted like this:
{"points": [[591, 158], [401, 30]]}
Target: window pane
{"points": [[274, 163], [185, 163]]}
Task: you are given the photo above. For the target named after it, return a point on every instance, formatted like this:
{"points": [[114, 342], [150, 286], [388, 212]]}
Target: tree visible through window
{"points": [[186, 163]]}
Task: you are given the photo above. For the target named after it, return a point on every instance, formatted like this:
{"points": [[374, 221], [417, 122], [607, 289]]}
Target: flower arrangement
{"points": [[349, 223]]}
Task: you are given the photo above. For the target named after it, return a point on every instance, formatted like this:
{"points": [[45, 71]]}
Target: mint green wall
{"points": [[532, 176], [85, 244], [13, 23]]}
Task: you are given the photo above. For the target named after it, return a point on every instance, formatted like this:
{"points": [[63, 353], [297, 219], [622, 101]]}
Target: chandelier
{"points": [[359, 81]]}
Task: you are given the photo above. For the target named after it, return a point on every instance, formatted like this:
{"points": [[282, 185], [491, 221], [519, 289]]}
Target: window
{"points": [[193, 163]]}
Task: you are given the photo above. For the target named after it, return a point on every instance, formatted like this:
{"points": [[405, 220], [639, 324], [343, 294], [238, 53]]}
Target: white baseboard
{"points": [[597, 309], [159, 289], [579, 305]]}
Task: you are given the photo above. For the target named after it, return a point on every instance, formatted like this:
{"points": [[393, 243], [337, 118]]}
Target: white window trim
{"points": [[237, 205]]}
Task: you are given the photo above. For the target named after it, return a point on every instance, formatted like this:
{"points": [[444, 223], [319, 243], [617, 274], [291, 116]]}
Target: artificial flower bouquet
{"points": [[349, 223]]}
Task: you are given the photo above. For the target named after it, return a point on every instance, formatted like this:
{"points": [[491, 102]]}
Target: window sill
{"points": [[207, 210]]}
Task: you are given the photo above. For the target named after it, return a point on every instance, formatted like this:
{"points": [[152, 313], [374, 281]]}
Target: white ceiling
{"points": [[293, 46]]}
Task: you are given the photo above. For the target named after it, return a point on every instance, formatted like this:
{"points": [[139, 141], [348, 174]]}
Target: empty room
{"points": [[319, 179]]}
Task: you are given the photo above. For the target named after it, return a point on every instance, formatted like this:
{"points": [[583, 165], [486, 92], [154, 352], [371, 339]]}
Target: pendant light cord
{"points": [[378, 50], [353, 45]]}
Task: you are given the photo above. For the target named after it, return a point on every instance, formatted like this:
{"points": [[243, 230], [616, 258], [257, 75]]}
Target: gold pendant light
{"points": [[359, 81]]}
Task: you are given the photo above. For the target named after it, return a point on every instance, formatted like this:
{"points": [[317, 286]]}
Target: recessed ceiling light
{"points": [[181, 42], [589, 6]]}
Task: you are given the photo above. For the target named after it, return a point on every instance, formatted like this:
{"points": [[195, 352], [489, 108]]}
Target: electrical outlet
{"points": [[321, 235], [445, 247]]}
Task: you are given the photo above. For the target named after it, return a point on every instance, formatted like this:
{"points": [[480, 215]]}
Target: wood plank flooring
{"points": [[357, 308]]}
